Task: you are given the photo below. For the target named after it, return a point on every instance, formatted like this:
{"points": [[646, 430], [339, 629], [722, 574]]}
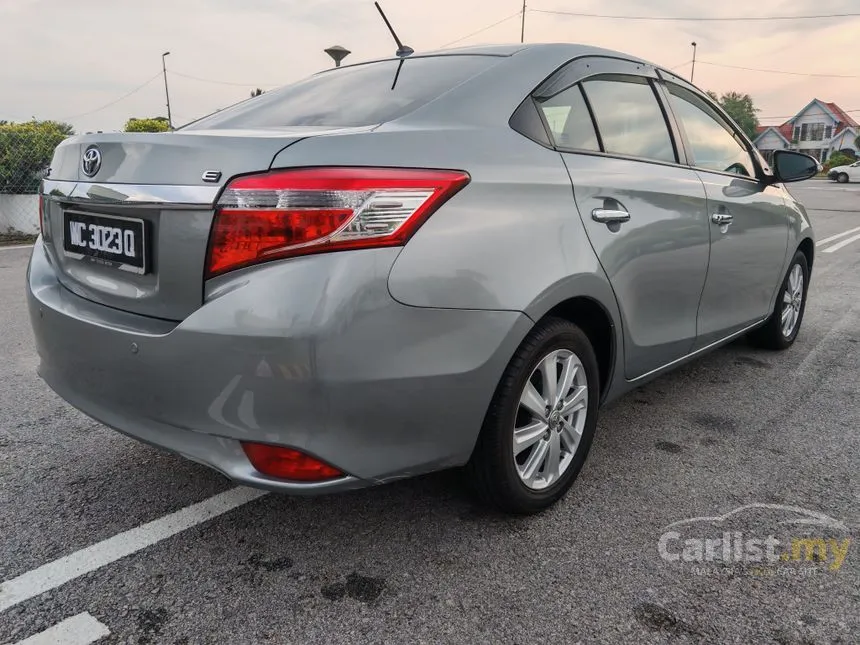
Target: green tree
{"points": [[154, 124], [741, 108], [25, 153], [837, 159]]}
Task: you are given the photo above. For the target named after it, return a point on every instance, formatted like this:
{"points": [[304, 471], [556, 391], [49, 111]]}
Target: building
{"points": [[819, 129]]}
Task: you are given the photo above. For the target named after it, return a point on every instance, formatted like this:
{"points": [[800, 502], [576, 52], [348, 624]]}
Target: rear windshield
{"points": [[352, 96]]}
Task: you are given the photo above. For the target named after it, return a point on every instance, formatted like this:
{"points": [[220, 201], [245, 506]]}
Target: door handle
{"points": [[609, 216], [722, 218]]}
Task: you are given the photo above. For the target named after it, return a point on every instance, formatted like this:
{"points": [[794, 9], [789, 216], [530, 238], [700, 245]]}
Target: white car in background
{"points": [[844, 174]]}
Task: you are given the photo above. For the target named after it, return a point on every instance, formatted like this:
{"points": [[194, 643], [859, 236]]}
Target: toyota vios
{"points": [[412, 264]]}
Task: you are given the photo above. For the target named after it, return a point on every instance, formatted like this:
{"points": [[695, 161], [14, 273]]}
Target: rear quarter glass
{"points": [[359, 95]]}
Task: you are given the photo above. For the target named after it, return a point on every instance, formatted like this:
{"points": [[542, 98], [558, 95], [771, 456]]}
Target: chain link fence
{"points": [[25, 155]]}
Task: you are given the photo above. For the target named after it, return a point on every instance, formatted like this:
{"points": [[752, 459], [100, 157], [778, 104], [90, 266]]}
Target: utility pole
{"points": [[166, 93], [693, 71], [523, 30]]}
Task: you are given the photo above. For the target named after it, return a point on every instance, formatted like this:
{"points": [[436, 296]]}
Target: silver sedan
{"points": [[390, 268]]}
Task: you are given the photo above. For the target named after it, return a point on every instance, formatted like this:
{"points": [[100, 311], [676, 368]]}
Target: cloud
{"points": [[63, 59]]}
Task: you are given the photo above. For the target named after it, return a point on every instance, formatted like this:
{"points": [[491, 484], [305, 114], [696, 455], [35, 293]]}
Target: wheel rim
{"points": [[792, 301], [550, 419]]}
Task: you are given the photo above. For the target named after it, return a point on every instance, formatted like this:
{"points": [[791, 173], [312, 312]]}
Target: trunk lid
{"points": [[128, 227]]}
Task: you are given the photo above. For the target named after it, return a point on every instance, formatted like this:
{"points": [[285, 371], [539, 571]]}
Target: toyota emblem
{"points": [[91, 161]]}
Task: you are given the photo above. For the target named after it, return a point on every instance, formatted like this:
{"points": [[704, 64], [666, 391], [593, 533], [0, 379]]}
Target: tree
{"points": [[257, 92], [25, 153], [742, 110], [837, 159], [154, 124]]}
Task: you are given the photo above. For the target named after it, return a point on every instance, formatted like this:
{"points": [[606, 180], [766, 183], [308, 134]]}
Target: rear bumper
{"points": [[312, 354]]}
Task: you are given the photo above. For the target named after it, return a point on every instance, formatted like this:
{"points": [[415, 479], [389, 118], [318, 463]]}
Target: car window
{"points": [[629, 119], [713, 144], [359, 95], [569, 121]]}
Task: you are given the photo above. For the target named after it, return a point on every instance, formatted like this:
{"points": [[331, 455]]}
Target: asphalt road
{"points": [[417, 561]]}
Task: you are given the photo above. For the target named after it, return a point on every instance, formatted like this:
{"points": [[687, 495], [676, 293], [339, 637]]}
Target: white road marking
{"points": [[837, 236], [54, 574], [836, 247], [15, 246], [82, 629]]}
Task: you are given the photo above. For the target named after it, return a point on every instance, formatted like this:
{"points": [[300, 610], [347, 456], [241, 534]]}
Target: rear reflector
{"points": [[286, 213], [285, 463], [42, 214]]}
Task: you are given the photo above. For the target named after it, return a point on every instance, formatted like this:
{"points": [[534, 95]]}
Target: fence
{"points": [[25, 154]]}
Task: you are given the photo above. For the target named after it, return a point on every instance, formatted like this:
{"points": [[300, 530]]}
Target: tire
{"points": [[772, 335], [842, 178], [501, 479]]}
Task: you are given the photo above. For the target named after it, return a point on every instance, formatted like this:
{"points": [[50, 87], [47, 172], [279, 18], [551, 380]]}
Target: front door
{"points": [[643, 212], [748, 222]]}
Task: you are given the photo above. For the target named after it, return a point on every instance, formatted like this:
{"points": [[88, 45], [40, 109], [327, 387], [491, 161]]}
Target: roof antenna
{"points": [[402, 50]]}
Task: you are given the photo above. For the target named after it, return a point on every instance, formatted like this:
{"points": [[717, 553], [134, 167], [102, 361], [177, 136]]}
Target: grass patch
{"points": [[9, 239]]}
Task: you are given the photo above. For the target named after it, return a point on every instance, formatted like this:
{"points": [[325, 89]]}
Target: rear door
{"points": [[749, 220], [643, 210]]}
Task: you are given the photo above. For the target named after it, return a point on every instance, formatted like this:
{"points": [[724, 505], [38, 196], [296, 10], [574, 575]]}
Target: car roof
{"points": [[572, 50], [568, 50]]}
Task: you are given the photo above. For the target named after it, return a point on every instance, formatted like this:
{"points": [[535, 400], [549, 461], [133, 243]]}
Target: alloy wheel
{"points": [[550, 419], [792, 301]]}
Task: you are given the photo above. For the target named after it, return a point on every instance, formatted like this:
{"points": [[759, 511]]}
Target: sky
{"points": [[76, 60]]}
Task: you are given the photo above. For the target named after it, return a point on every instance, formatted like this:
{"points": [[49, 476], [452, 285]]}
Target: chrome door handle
{"points": [[721, 218], [609, 216]]}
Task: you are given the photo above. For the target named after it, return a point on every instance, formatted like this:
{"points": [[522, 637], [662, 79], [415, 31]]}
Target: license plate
{"points": [[118, 242]]}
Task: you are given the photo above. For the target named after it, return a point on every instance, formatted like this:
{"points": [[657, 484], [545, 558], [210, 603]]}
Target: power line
{"points": [[217, 82], [114, 102], [681, 65], [777, 71], [480, 31], [698, 19], [791, 116]]}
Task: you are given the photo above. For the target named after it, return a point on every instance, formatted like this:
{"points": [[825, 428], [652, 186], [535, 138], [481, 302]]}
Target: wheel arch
{"points": [[807, 247], [588, 301], [594, 320]]}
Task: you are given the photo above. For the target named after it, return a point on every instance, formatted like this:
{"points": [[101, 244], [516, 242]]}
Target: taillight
{"points": [[286, 213], [286, 463]]}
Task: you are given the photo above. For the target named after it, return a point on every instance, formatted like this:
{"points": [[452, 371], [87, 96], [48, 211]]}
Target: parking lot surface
{"points": [[197, 560]]}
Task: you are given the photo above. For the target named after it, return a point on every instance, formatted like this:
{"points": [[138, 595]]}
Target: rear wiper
{"points": [[397, 73]]}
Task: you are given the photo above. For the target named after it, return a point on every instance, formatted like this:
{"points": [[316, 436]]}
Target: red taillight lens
{"points": [[286, 213], [285, 463]]}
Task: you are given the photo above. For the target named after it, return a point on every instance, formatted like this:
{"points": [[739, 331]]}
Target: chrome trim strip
{"points": [[699, 351], [79, 191]]}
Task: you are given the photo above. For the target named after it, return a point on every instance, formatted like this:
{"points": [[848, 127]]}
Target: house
{"points": [[819, 129]]}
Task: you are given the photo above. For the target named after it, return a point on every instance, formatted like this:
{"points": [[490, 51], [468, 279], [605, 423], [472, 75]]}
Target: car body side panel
{"points": [[799, 229], [511, 240], [747, 256]]}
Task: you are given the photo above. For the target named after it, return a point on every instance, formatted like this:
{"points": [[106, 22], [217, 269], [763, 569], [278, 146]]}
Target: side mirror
{"points": [[794, 166]]}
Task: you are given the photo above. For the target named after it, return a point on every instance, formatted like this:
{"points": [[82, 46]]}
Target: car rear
{"points": [[221, 292]]}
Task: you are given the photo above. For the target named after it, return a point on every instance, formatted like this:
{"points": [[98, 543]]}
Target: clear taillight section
{"points": [[287, 213]]}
